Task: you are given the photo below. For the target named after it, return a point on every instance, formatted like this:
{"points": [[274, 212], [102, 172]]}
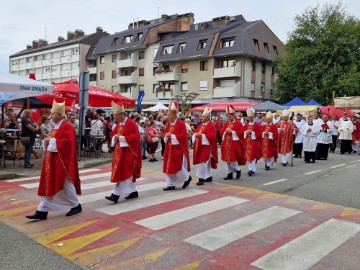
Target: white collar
{"points": [[123, 122], [173, 123], [58, 124]]}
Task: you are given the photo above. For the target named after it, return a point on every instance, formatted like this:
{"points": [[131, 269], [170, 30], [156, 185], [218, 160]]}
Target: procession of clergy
{"points": [[242, 144]]}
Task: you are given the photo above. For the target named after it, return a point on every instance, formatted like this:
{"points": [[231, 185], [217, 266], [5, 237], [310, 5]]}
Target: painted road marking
{"points": [[103, 183], [309, 248], [174, 217], [274, 182], [313, 172], [220, 236], [332, 167], [101, 195], [150, 201]]}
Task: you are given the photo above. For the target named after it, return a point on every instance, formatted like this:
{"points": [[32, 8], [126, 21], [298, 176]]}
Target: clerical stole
{"points": [[269, 147], [231, 149], [202, 153], [251, 146], [286, 139]]}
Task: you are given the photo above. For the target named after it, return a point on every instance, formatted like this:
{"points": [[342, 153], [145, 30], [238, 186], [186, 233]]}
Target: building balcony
{"points": [[125, 63], [132, 79], [229, 91], [166, 93], [126, 94], [167, 75], [91, 69], [225, 72]]}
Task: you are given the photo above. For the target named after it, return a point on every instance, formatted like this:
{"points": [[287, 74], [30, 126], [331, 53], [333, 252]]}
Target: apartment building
{"points": [[56, 62], [226, 57], [125, 60]]}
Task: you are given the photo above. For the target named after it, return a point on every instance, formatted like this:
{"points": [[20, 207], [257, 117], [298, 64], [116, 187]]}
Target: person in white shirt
{"points": [[298, 143], [345, 129], [334, 133], [324, 138], [310, 132]]}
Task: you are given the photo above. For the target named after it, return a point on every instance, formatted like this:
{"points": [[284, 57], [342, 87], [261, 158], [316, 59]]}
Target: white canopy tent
{"points": [[158, 107], [15, 87]]}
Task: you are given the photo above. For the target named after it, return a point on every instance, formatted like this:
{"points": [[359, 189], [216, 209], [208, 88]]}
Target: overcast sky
{"points": [[23, 21]]}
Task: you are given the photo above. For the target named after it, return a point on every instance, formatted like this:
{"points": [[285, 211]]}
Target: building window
{"points": [[114, 88], [256, 44], [127, 88], [76, 51], [227, 63], [113, 74], [28, 59], [263, 67], [127, 39], [56, 54], [271, 90], [138, 36], [141, 87], [203, 85], [184, 86], [167, 50], [65, 53], [102, 59], [36, 58], [154, 70], [65, 66], [142, 55], [181, 47], [262, 88], [155, 87], [14, 62], [141, 71], [46, 69], [114, 42], [113, 58], [275, 50], [202, 44], [92, 77], [272, 70], [252, 87], [253, 65], [75, 65], [203, 65], [266, 47], [227, 42], [184, 67], [102, 75]]}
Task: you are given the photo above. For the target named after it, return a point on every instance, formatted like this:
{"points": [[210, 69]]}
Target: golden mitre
{"points": [[58, 108], [207, 112], [117, 108]]}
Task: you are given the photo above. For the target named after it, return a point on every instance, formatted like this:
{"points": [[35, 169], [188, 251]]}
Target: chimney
{"points": [[165, 17], [60, 38], [35, 44], [28, 47], [99, 29], [143, 23], [42, 42], [221, 21], [70, 35]]}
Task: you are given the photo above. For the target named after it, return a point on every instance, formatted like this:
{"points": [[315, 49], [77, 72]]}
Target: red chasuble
{"points": [[269, 148], [251, 148], [127, 161], [173, 154], [231, 150], [203, 152], [57, 166], [286, 139], [356, 132]]}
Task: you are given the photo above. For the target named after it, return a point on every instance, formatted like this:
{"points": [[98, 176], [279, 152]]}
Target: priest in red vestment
{"points": [[355, 134], [286, 129], [127, 160], [59, 180], [231, 133], [268, 143], [205, 148], [176, 154], [250, 142]]}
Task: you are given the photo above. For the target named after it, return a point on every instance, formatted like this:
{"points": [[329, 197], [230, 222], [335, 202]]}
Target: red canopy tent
{"points": [[332, 110], [220, 106], [98, 97]]}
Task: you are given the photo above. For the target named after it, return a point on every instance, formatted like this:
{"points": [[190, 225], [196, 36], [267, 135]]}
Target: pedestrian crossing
{"points": [[193, 205]]}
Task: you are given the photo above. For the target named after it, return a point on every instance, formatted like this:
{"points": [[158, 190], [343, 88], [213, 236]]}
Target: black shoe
{"points": [[295, 156], [209, 179], [284, 164], [250, 173], [132, 195], [238, 174], [144, 158], [169, 188], [74, 211], [307, 161], [151, 160], [114, 198], [200, 182], [229, 176], [155, 159], [267, 167], [38, 215], [187, 182]]}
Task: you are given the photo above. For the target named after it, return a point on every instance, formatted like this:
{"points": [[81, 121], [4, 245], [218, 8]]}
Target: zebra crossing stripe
{"points": [[225, 234], [150, 201], [311, 247], [174, 217], [100, 195]]}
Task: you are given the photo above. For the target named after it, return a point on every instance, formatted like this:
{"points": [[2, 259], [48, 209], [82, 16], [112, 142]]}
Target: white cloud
{"points": [[23, 20]]}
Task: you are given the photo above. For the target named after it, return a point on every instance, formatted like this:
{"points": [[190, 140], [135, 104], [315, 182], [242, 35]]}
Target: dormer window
{"points": [[227, 42], [275, 50], [115, 40], [256, 44], [266, 47], [202, 44], [181, 47], [127, 39], [138, 36], [167, 50]]}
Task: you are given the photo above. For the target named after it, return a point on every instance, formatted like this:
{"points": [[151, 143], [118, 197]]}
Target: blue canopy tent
{"points": [[314, 102], [295, 102]]}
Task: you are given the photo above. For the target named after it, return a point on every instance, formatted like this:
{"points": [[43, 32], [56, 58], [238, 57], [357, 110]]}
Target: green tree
{"points": [[323, 56]]}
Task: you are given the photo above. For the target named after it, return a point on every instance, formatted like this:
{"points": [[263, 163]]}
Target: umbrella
{"points": [[98, 97], [220, 106], [268, 106], [158, 107], [15, 87], [332, 110]]}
